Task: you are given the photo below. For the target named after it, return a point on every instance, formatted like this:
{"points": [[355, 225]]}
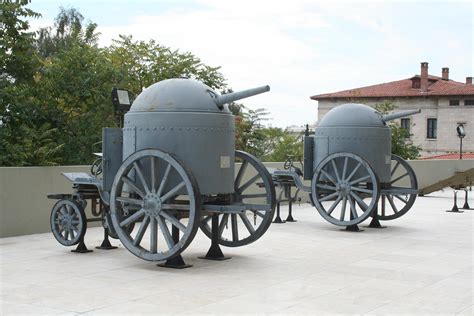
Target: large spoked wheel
{"points": [[253, 187], [156, 192], [345, 189], [68, 222], [402, 192]]}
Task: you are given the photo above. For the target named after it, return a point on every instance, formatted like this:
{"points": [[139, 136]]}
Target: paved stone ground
{"points": [[421, 264]]}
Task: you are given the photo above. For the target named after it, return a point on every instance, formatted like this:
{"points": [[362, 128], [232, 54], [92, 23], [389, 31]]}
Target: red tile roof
{"points": [[403, 88], [454, 156]]}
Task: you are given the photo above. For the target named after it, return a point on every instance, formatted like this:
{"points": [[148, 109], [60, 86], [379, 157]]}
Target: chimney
{"points": [[469, 80], [424, 77], [445, 73]]}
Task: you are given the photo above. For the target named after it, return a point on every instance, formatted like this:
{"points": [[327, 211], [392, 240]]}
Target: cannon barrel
{"points": [[394, 116], [234, 96]]}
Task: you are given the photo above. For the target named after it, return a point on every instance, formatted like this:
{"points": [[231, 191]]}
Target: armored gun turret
{"points": [[170, 171], [350, 164]]}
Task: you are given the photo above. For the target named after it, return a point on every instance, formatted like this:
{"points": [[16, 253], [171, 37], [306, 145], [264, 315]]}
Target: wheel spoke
{"points": [[240, 174], [344, 169], [328, 176], [327, 187], [361, 190], [392, 204], [223, 224], [401, 199], [400, 177], [328, 197], [360, 201], [344, 202], [333, 206], [249, 183], [235, 229], [129, 200], [173, 220], [343, 209], [336, 172], [353, 209], [172, 192], [71, 232], [353, 172], [153, 235], [361, 179], [206, 220], [66, 234], [153, 173], [139, 172], [164, 180], [166, 233], [132, 218], [141, 231], [383, 205], [395, 168], [259, 214], [132, 185], [247, 223]]}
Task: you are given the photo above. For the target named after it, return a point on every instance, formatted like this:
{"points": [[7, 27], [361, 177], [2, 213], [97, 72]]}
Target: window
{"points": [[469, 102], [432, 127], [405, 124], [453, 102]]}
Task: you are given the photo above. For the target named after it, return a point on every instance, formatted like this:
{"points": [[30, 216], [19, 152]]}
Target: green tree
{"points": [[400, 136], [23, 140], [143, 63]]}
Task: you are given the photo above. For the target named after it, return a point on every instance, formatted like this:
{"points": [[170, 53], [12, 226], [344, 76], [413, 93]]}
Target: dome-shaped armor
{"points": [[352, 114], [178, 95]]}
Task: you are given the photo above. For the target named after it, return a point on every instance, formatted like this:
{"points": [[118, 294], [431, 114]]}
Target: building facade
{"points": [[444, 105]]}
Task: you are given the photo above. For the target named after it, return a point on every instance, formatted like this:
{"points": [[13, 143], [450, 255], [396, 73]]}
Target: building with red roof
{"points": [[444, 105]]}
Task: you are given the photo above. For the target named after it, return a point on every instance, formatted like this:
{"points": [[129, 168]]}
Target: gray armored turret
{"points": [[188, 119], [359, 129], [350, 165]]}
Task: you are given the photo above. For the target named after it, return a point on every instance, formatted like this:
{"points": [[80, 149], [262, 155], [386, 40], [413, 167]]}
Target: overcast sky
{"points": [[300, 48]]}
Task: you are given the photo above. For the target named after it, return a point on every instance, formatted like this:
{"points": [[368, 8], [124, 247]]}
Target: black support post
{"points": [[176, 262], [215, 252]]}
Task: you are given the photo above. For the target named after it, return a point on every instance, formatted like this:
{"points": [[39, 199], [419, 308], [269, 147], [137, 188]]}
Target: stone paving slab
{"points": [[421, 263]]}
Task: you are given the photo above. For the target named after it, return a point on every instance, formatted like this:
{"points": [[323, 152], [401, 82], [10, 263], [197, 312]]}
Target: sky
{"points": [[299, 47]]}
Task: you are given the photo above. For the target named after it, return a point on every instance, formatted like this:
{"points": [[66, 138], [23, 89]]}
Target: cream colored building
{"points": [[444, 104]]}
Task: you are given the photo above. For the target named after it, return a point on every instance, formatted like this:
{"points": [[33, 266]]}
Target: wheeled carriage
{"points": [[353, 174], [171, 170]]}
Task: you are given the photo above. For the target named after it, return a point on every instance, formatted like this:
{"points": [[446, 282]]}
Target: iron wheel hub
{"points": [[344, 188], [152, 204]]}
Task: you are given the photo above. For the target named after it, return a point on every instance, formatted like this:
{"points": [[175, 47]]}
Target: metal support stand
{"points": [[290, 207], [466, 204], [106, 245], [81, 248], [455, 208], [352, 228], [215, 252], [278, 219], [375, 223], [176, 262]]}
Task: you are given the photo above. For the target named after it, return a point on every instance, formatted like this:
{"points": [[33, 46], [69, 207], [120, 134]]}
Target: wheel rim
{"points": [[345, 189], [68, 222], [393, 205], [154, 191], [241, 229]]}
